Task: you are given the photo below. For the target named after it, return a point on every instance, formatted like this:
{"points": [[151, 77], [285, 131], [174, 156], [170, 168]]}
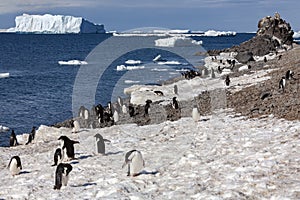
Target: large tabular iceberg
{"points": [[54, 24]]}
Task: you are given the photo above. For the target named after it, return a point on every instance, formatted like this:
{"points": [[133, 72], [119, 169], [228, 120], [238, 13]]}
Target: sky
{"points": [[122, 15]]}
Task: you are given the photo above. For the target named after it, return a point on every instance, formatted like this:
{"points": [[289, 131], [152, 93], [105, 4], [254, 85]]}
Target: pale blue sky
{"points": [[120, 15]]}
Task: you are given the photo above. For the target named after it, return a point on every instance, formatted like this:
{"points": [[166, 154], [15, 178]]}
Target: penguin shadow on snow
{"points": [[84, 185], [113, 153]]}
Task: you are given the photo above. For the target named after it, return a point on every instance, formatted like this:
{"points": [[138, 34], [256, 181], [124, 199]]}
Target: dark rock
{"points": [[244, 57]]}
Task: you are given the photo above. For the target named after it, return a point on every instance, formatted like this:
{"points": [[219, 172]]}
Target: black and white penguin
{"points": [[265, 59], [131, 110], [62, 175], [31, 136], [147, 107], [99, 112], [13, 139], [15, 165], [124, 109], [213, 75], [67, 146], [81, 111], [76, 126], [158, 93], [175, 104], [57, 156], [116, 116], [175, 89], [100, 145], [120, 101], [227, 80], [135, 162], [195, 114], [282, 83], [289, 75]]}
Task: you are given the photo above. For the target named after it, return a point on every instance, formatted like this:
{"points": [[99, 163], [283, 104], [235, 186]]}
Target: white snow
{"points": [[225, 157], [123, 67], [72, 62], [176, 41], [54, 24], [133, 62]]}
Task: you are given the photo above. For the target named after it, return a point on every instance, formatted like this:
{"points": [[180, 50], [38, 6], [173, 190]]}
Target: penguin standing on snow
{"points": [[124, 109], [67, 147], [116, 116], [15, 165], [57, 156], [147, 107], [76, 126], [282, 83], [13, 139], [135, 162], [62, 175], [131, 110], [227, 80], [175, 104], [195, 114], [100, 145], [31, 135], [175, 91]]}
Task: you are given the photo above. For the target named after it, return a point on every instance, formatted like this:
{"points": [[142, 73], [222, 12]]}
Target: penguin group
{"points": [[289, 75]]}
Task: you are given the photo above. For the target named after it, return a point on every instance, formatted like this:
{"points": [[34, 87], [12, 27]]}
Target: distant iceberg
{"points": [[4, 75], [133, 62], [176, 41], [3, 128], [72, 62], [123, 67], [213, 33], [54, 24], [296, 34]]}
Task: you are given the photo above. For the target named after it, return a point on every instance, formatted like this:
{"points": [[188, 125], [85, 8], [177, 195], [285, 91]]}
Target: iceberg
{"points": [[296, 34], [213, 33], [72, 62], [4, 75], [176, 41], [54, 24], [123, 67], [3, 128], [133, 62]]}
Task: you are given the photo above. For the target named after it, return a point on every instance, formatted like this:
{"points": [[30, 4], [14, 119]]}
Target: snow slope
{"points": [[54, 24], [226, 157]]}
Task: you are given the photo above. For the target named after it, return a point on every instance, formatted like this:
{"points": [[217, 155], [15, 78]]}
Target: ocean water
{"points": [[39, 90]]}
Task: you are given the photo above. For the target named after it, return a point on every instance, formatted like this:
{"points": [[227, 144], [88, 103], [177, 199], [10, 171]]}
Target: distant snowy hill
{"points": [[54, 24]]}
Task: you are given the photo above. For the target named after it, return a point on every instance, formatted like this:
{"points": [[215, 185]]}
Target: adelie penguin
{"points": [[135, 162], [76, 127], [131, 110], [15, 165], [147, 107], [13, 139], [289, 75], [175, 104], [282, 83], [62, 175], [227, 80], [67, 147], [100, 145], [195, 114], [57, 156], [31, 136]]}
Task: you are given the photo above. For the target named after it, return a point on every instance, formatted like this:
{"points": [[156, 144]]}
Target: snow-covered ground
{"points": [[225, 157]]}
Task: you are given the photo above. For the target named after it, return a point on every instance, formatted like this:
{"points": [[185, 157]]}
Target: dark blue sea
{"points": [[39, 90]]}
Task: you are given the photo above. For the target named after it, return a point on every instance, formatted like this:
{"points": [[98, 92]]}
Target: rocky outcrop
{"points": [[273, 33], [276, 28]]}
